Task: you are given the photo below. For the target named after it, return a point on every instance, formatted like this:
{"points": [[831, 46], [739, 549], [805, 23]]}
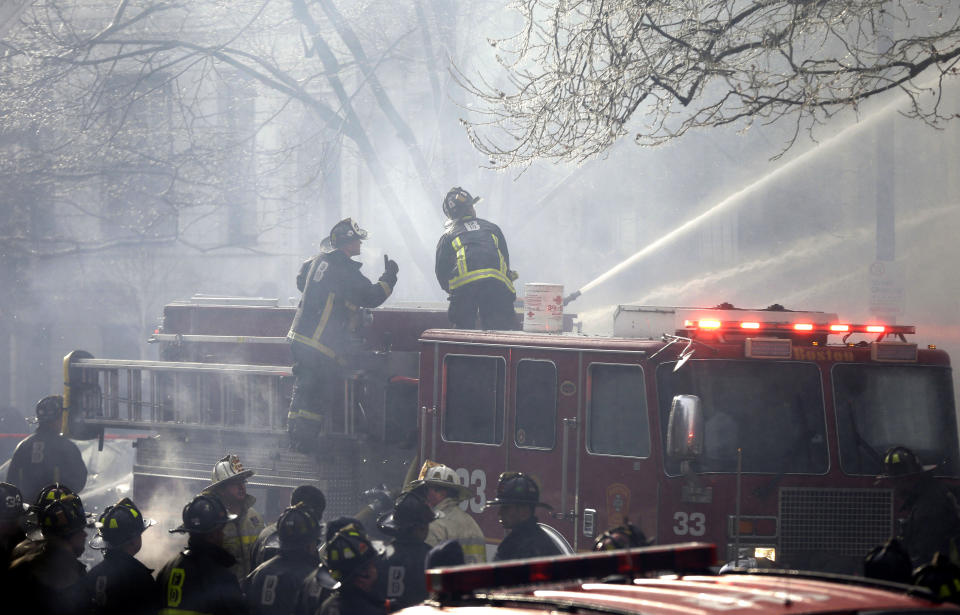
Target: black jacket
{"points": [[46, 457], [933, 520], [198, 580], [121, 585], [271, 589], [400, 575], [47, 579], [350, 601], [316, 588], [526, 540], [334, 291], [472, 249]]}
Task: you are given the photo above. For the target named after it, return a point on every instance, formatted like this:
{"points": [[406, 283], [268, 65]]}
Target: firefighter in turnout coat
{"points": [[198, 579], [438, 485], [239, 534], [473, 266], [120, 584], [518, 496], [400, 577], [326, 321], [271, 589]]}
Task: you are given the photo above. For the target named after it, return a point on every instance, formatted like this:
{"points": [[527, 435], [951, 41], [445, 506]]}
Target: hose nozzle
{"points": [[571, 297]]}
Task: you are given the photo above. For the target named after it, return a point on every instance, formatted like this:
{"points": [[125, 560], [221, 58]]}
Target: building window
{"points": [[536, 404], [473, 399], [617, 415]]}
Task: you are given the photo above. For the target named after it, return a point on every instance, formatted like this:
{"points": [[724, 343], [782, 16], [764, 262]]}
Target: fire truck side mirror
{"points": [[685, 428]]}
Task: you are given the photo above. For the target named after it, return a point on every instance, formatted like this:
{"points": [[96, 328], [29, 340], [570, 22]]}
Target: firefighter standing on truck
{"points": [[320, 337], [230, 487], [517, 497], [198, 579], [439, 486], [46, 456], [473, 266]]}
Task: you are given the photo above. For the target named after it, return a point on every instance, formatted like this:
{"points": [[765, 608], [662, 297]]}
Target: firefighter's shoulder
{"points": [[659, 580]]}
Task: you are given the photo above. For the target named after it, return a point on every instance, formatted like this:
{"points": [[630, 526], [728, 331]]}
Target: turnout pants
{"points": [[490, 299]]}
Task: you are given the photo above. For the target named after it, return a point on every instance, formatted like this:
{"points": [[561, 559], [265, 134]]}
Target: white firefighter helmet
{"points": [[434, 474], [227, 469]]}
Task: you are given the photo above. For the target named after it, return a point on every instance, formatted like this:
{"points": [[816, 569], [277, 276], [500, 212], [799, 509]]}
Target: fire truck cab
{"points": [[762, 431]]}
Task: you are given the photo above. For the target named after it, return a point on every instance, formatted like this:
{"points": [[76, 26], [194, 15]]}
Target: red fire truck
{"points": [[760, 430], [667, 580]]}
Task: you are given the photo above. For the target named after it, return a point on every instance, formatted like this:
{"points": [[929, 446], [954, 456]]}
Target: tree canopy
{"points": [[581, 74]]}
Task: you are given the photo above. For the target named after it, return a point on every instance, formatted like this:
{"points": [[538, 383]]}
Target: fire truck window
{"points": [[473, 405], [773, 411], [536, 404], [881, 406], [617, 416]]}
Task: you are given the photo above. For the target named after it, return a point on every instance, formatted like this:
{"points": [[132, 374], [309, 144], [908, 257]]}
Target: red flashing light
{"points": [[802, 326], [686, 558], [749, 325], [710, 324]]}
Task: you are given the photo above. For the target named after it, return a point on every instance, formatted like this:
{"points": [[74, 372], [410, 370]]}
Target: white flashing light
{"points": [[749, 325], [802, 326]]}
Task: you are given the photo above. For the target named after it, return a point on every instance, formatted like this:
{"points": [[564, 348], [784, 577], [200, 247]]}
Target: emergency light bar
{"points": [[685, 558], [794, 327]]}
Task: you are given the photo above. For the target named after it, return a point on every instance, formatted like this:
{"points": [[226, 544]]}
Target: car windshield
{"points": [[772, 411], [881, 406]]}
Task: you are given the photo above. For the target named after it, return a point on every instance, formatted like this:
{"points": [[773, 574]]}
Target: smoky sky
{"points": [[799, 230]]}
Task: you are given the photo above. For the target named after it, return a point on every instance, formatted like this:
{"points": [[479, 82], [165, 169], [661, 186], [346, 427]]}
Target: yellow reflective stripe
{"points": [[461, 257], [324, 317], [386, 287], [479, 274], [476, 550], [246, 540], [503, 262], [309, 341]]}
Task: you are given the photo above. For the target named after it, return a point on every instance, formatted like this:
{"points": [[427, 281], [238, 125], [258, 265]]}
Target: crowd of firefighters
{"points": [[236, 563]]}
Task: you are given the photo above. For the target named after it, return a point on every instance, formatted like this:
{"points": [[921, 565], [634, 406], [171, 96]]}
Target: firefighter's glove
{"points": [[390, 269], [513, 275]]}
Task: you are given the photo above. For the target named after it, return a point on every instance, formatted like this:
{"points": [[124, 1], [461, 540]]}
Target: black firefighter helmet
{"points": [[458, 202]]}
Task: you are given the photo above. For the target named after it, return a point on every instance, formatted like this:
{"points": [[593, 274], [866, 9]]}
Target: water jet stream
{"points": [[734, 198]]}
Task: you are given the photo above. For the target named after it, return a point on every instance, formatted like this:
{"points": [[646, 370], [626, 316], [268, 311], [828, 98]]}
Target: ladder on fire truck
{"points": [[174, 395]]}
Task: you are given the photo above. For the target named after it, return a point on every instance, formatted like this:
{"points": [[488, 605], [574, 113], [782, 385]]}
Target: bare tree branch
{"points": [[581, 75]]}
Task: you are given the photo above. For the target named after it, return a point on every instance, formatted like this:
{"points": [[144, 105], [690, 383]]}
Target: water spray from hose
{"points": [[727, 202]]}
